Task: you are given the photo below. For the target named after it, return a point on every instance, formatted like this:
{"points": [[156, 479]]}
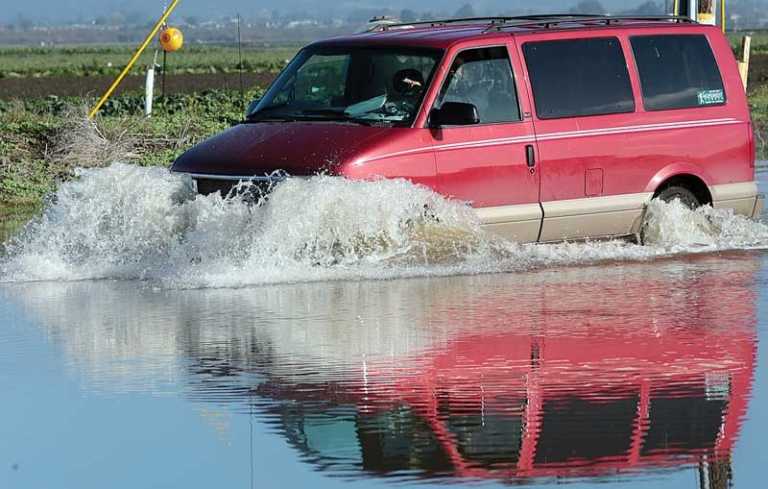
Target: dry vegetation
{"points": [[41, 141], [81, 142]]}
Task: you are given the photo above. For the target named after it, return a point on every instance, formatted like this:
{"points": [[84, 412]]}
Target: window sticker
{"points": [[710, 97]]}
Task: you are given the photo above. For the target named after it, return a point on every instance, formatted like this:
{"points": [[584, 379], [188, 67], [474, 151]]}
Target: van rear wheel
{"points": [[685, 196], [669, 194]]}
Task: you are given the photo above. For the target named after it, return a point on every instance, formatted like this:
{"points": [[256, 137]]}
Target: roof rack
{"points": [[438, 22], [546, 21], [550, 21]]}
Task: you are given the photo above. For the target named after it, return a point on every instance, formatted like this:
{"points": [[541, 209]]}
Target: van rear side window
{"points": [[579, 77], [677, 72]]}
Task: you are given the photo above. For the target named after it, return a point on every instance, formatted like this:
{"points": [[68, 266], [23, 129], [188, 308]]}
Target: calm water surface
{"points": [[629, 374], [639, 375]]}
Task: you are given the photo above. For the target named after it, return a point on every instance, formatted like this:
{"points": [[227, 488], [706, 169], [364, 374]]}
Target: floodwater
{"points": [[146, 342]]}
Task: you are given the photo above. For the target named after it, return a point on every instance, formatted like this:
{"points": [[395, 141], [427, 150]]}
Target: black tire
{"points": [[685, 196], [673, 192]]}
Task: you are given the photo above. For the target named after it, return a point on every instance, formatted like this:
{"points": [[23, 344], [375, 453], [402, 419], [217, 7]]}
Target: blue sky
{"points": [[53, 10]]}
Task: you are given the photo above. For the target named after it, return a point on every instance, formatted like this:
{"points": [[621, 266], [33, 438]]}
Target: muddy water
{"points": [[366, 359]]}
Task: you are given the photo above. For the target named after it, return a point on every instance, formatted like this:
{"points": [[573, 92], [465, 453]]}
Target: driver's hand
{"points": [[412, 83]]}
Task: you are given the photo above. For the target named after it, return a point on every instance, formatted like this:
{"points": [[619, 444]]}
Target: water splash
{"points": [[129, 222], [675, 228]]}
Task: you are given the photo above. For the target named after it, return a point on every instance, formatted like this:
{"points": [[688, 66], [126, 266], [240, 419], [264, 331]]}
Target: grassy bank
{"points": [[13, 218], [41, 141], [43, 138], [758, 102]]}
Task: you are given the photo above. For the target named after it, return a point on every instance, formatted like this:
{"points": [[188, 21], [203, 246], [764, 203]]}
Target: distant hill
{"points": [[120, 12], [70, 10]]}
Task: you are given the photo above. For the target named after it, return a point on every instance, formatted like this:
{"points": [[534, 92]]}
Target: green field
{"points": [[759, 40], [20, 62], [757, 88], [43, 139]]}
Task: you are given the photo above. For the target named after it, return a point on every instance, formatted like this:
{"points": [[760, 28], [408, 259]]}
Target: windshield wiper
{"points": [[270, 118], [328, 112], [305, 118], [318, 115], [266, 114], [342, 116]]}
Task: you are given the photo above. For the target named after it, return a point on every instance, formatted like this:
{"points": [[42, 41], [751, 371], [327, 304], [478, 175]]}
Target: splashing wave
{"points": [[135, 223]]}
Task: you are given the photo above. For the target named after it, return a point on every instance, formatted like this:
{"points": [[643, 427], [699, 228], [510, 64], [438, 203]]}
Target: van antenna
{"points": [[240, 65]]}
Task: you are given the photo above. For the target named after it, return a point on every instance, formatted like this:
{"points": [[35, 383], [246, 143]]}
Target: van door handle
{"points": [[530, 156]]}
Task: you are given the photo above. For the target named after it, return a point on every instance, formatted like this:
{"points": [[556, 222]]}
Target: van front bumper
{"points": [[207, 184]]}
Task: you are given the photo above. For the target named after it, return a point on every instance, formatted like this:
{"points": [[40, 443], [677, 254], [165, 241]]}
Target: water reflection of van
{"points": [[551, 127], [556, 373], [546, 396]]}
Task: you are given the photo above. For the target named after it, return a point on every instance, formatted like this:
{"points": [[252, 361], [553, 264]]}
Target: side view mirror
{"points": [[454, 114]]}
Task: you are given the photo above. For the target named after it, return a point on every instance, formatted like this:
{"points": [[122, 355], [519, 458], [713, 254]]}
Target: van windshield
{"points": [[363, 85]]}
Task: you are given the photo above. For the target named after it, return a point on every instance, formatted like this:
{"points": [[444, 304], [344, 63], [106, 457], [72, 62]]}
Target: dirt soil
{"points": [[16, 88]]}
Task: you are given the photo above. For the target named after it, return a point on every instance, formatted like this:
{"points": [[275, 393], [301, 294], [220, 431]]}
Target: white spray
{"points": [[130, 222]]}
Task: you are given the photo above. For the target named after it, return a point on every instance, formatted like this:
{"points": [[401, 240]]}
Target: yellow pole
{"points": [[676, 7], [722, 14], [133, 60], [746, 47]]}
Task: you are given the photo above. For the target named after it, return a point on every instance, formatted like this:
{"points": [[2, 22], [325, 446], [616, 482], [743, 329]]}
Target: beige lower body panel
{"points": [[594, 217], [741, 197], [599, 217], [519, 223]]}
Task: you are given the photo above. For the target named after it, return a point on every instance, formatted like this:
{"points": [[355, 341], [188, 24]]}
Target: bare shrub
{"points": [[82, 142]]}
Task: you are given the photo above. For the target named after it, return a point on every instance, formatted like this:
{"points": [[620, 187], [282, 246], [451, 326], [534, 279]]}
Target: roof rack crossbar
{"points": [[678, 19], [545, 20], [554, 21], [439, 22], [555, 16]]}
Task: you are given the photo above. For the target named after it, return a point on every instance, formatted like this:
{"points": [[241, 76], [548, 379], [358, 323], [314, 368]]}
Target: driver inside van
{"points": [[408, 87], [408, 82]]}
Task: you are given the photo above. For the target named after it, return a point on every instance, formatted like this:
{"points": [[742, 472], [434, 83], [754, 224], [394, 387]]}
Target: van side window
{"points": [[579, 77], [483, 77], [677, 72]]}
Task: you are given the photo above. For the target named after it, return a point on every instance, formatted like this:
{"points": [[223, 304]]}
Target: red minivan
{"points": [[552, 127]]}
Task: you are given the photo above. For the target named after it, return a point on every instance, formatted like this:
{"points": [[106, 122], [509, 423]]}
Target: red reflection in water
{"points": [[567, 380]]}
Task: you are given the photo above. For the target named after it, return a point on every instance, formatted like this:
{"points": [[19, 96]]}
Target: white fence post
{"points": [[149, 93]]}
